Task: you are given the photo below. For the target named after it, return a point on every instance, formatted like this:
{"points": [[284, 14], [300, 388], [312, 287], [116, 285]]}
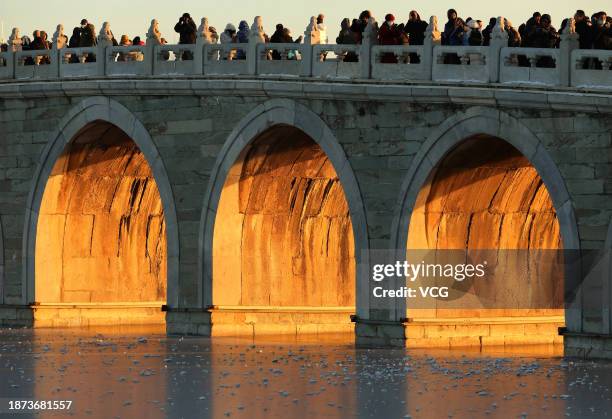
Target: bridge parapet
{"points": [[562, 67]]}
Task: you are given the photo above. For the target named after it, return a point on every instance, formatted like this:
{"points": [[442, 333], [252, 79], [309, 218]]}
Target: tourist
{"points": [[88, 36], [449, 27], [544, 36], [486, 32], [38, 43], [229, 34], [229, 37], [74, 42], [359, 25], [514, 37], [347, 37], [214, 36], [529, 28], [242, 37], [583, 29], [124, 42], [472, 35], [138, 55], [602, 32], [415, 28], [75, 39], [288, 39], [186, 28], [388, 34], [277, 38]]}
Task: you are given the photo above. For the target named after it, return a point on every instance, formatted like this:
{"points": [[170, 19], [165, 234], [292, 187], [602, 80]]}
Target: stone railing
{"points": [[530, 65], [591, 68], [497, 63]]}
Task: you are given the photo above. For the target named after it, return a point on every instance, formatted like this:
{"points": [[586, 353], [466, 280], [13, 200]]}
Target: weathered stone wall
{"points": [[380, 128], [283, 235], [101, 232], [485, 195]]}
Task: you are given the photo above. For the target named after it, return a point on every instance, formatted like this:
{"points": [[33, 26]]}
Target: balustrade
{"points": [[566, 66]]}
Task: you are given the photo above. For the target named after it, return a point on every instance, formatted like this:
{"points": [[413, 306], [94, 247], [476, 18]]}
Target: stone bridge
{"points": [[250, 202]]}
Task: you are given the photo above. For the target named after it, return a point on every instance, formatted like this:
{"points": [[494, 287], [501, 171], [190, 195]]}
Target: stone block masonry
{"points": [[383, 144]]}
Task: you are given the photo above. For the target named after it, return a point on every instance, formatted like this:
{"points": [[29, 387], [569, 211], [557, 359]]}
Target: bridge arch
{"points": [[269, 116], [494, 124], [99, 110]]}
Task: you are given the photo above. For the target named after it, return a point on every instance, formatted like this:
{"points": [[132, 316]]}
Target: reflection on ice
{"points": [[142, 373]]}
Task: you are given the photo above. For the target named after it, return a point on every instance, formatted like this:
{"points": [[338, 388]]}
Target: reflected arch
{"points": [[483, 123], [101, 114], [288, 117]]}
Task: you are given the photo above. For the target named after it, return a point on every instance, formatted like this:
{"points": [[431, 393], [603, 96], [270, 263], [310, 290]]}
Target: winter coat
{"points": [[486, 35], [449, 28], [473, 38], [38, 44], [243, 32], [543, 37], [416, 31], [88, 36], [75, 39], [388, 34], [187, 29], [602, 37], [455, 37], [227, 38], [585, 32], [514, 38]]}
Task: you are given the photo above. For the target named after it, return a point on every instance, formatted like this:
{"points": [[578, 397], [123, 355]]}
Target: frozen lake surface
{"points": [[139, 372]]}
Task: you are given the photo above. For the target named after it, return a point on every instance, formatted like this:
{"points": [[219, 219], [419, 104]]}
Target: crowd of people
{"points": [[83, 36], [595, 32]]}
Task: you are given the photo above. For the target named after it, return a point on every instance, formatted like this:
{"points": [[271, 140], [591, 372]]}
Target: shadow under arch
{"points": [[89, 111], [474, 122], [280, 112]]}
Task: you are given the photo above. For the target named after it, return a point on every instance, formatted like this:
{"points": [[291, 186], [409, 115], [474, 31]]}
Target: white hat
{"points": [[230, 27]]}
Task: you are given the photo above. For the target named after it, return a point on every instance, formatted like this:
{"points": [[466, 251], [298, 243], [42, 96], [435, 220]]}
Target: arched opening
{"points": [[283, 246], [485, 197], [101, 253]]}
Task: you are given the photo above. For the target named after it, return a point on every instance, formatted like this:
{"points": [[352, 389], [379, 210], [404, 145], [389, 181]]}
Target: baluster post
{"points": [[432, 39], [569, 42], [151, 49], [105, 40], [499, 40], [14, 45], [370, 37], [204, 38], [256, 37], [312, 36], [55, 56]]}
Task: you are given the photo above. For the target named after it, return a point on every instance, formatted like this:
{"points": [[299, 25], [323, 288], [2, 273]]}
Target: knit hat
{"points": [[390, 18]]}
